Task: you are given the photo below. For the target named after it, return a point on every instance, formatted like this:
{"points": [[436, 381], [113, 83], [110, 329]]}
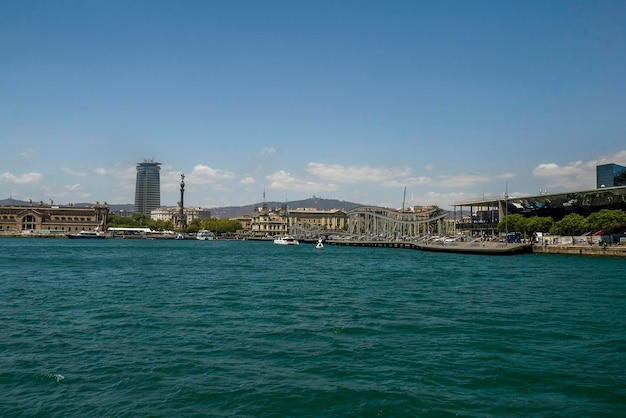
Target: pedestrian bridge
{"points": [[379, 223]]}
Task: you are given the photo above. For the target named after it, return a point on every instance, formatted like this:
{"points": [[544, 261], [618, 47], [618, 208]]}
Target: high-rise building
{"points": [[610, 175], [148, 187]]}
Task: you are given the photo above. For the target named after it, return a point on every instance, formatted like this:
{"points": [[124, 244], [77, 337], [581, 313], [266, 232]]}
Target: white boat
{"points": [[286, 240], [205, 235], [86, 235], [320, 244], [180, 236]]}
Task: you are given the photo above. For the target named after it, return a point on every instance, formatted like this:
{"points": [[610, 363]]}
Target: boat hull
{"points": [[76, 236], [286, 241]]}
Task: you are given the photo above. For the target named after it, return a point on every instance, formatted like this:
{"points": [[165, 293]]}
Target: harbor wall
{"points": [[589, 250]]}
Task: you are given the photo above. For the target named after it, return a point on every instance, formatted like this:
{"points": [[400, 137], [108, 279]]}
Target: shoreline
{"points": [[495, 249], [581, 249]]}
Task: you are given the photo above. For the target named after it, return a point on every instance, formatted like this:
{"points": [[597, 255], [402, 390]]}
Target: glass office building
{"points": [[148, 187], [610, 175]]}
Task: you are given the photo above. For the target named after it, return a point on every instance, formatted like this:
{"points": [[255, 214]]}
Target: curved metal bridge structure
{"points": [[381, 224]]}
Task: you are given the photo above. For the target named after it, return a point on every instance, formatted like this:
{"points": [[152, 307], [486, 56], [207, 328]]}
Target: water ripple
{"points": [[149, 328]]}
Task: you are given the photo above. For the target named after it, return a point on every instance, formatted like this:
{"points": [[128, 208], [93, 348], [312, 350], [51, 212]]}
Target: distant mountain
{"points": [[114, 208], [227, 211], [313, 202], [13, 202], [127, 208], [233, 211]]}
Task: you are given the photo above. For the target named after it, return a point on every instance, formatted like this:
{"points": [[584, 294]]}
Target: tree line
{"points": [[605, 220], [140, 220]]}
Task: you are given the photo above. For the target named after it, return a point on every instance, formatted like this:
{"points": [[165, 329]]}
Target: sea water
{"points": [[126, 328]]}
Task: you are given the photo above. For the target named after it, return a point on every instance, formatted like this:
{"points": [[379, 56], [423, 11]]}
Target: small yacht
{"points": [[320, 244], [286, 240]]}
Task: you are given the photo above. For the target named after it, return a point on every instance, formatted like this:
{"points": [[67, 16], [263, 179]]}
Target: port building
{"points": [[481, 217], [49, 220], [172, 214]]}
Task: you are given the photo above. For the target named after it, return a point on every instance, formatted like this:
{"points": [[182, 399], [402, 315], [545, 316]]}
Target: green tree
{"points": [[141, 220], [135, 221], [513, 223], [536, 224], [572, 224], [220, 226], [194, 226], [605, 220], [160, 225]]}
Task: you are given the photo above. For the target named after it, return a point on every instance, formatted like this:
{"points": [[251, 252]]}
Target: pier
{"points": [[474, 247], [493, 248]]}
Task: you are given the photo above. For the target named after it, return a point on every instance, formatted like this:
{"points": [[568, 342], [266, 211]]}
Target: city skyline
{"points": [[353, 101]]}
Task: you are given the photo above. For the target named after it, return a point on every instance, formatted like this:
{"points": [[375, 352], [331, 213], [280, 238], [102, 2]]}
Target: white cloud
{"points": [[443, 200], [73, 173], [617, 158], [72, 187], [27, 178], [357, 174], [247, 180], [203, 174], [118, 171], [282, 180], [28, 153], [470, 179], [268, 151], [128, 173], [407, 182], [574, 175]]}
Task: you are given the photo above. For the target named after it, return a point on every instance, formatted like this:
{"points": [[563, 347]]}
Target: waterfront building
{"points": [[320, 221], [485, 214], [302, 222], [172, 214], [49, 220], [147, 187], [268, 222], [246, 224], [610, 175]]}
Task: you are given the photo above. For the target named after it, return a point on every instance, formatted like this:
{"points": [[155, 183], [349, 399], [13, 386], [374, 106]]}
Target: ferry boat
{"points": [[86, 235], [286, 240], [204, 235]]}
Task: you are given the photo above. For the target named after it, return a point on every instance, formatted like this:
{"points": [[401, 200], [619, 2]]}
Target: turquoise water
{"points": [[125, 328]]}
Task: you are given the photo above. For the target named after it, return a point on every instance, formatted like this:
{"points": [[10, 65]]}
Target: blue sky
{"points": [[350, 100]]}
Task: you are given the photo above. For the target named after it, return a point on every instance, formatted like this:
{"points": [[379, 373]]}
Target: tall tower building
{"points": [[148, 187]]}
